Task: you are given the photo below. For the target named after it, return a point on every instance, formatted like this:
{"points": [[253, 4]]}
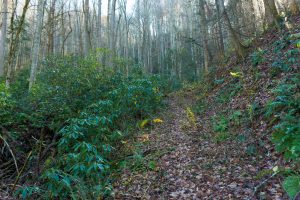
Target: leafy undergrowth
{"points": [[234, 136], [60, 140]]}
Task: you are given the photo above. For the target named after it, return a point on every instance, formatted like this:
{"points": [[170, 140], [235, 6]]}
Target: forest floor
{"points": [[192, 164], [215, 139]]}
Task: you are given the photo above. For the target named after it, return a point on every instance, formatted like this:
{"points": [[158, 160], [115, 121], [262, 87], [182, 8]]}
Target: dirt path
{"points": [[191, 165]]}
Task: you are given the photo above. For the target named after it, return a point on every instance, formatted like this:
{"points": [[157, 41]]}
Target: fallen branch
{"points": [[12, 154], [53, 143], [262, 184], [18, 177]]}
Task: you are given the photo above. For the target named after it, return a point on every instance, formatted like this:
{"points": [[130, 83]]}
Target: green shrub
{"points": [[221, 137], [286, 108], [83, 151], [257, 57], [285, 111], [220, 124], [292, 186], [90, 108], [280, 65], [228, 92], [236, 117], [284, 60], [7, 106], [281, 44]]}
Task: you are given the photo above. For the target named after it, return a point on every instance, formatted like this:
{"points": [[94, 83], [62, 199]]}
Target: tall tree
{"points": [[15, 34], [99, 24], [113, 25], [3, 37], [36, 41], [204, 35], [236, 41], [271, 13], [220, 31], [50, 27], [87, 31]]}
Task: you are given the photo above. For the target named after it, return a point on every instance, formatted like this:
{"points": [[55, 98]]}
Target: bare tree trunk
{"points": [[205, 35], [14, 40], [294, 7], [139, 32], [99, 24], [62, 30], [220, 32], [80, 49], [108, 29], [50, 27], [3, 37], [87, 36], [253, 17], [239, 47], [113, 26], [126, 29], [271, 14], [36, 42]]}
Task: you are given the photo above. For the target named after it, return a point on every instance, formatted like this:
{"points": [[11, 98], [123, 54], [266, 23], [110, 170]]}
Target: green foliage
{"points": [[280, 65], [200, 106], [251, 150], [281, 44], [219, 81], [91, 109], [26, 192], [7, 105], [257, 57], [297, 43], [292, 186], [221, 137], [236, 117], [284, 60], [241, 138], [286, 108], [135, 162], [220, 124], [83, 149], [251, 111], [228, 92]]}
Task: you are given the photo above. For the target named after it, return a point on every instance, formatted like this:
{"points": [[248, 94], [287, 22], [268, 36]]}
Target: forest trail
{"points": [[176, 165], [191, 164]]}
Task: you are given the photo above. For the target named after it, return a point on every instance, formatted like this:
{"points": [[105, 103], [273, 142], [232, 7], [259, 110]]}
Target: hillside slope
{"points": [[216, 139]]}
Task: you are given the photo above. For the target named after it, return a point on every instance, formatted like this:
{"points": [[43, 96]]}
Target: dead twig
{"points": [[18, 177], [11, 152], [262, 184]]}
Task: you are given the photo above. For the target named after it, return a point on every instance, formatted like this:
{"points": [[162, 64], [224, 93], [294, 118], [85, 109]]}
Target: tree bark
{"points": [[3, 37], [87, 36], [220, 31], [99, 24], [36, 42], [239, 47], [50, 27], [14, 40], [271, 14], [294, 7], [204, 35]]}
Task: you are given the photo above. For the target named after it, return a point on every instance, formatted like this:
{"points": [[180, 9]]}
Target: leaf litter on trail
{"points": [[197, 168]]}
